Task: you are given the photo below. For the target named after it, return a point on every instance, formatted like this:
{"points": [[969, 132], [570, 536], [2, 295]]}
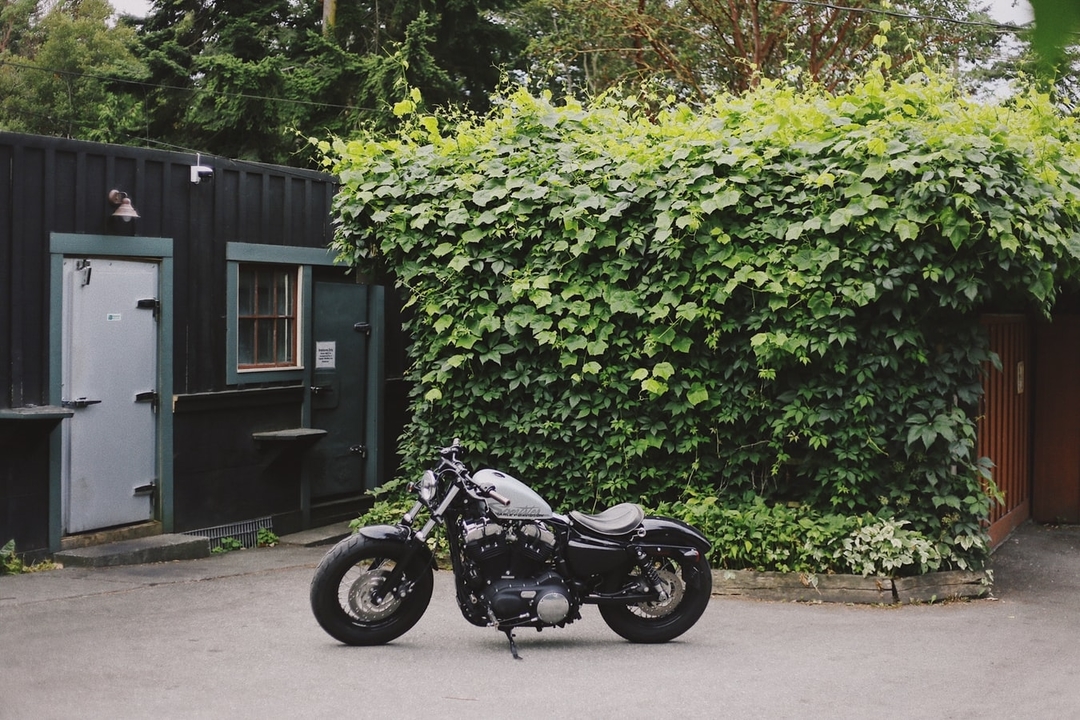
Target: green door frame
{"points": [[158, 250], [305, 259]]}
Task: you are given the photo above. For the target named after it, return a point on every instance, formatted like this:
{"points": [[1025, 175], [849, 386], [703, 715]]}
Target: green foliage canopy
{"points": [[774, 298]]}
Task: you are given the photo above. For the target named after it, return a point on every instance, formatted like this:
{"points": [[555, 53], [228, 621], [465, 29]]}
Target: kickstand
{"points": [[513, 645]]}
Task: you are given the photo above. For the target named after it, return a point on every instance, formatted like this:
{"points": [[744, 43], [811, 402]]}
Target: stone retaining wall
{"points": [[803, 587]]}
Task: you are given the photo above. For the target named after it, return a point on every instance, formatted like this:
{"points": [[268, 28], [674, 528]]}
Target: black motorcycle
{"points": [[516, 564]]}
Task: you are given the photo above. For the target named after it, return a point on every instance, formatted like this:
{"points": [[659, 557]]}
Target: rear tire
{"points": [[688, 582], [343, 584]]}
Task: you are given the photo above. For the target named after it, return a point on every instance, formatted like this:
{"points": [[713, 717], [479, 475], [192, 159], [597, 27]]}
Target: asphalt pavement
{"points": [[232, 636]]}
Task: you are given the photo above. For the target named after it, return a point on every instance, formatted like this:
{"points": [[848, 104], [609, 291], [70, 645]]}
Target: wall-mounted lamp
{"points": [[124, 209]]}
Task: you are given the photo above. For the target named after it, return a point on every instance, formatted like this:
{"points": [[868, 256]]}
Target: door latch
{"points": [[149, 396], [360, 450], [149, 304], [78, 403]]}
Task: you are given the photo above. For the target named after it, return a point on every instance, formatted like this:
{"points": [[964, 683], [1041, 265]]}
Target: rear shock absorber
{"points": [[650, 574]]}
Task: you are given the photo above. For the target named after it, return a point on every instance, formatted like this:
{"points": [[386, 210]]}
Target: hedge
{"points": [[774, 298]]}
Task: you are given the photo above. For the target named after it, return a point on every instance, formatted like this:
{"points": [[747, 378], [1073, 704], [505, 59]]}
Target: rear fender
{"points": [[672, 532]]}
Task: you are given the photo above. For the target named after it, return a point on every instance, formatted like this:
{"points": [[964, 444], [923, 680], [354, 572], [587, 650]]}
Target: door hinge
{"points": [[83, 266], [362, 327], [147, 489]]}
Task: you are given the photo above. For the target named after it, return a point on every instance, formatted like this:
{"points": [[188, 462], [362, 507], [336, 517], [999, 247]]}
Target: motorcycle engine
{"points": [[508, 567]]}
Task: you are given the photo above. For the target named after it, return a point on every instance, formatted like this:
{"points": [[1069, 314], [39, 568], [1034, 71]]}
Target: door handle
{"points": [[320, 389], [78, 403]]}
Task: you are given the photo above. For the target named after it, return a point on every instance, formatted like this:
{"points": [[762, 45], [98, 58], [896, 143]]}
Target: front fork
{"points": [[393, 584]]}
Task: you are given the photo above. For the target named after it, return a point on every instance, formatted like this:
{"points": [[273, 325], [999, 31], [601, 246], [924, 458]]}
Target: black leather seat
{"points": [[616, 520]]}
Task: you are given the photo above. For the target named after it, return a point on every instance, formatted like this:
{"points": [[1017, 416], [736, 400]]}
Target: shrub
{"points": [[776, 296]]}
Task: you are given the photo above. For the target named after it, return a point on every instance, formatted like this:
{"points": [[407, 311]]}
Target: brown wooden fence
{"points": [[1005, 421]]}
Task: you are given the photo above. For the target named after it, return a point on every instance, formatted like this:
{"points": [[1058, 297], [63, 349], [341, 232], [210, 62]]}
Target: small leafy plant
{"points": [[227, 544], [266, 538], [12, 564], [885, 548]]}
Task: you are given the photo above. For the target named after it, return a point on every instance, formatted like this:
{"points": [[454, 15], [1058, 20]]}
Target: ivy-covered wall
{"points": [[773, 301]]}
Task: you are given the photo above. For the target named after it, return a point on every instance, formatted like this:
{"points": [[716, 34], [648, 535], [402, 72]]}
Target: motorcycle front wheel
{"points": [[688, 585], [345, 582]]}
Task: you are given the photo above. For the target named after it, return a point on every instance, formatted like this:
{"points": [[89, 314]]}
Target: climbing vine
{"points": [[774, 299]]}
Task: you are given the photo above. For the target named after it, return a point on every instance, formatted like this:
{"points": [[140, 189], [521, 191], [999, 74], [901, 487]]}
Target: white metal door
{"points": [[110, 382]]}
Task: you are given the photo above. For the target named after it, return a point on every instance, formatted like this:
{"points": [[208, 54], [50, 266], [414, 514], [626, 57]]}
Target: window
{"points": [[266, 317], [269, 312]]}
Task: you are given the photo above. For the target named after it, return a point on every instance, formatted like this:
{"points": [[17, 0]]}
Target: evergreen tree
{"points": [[66, 72]]}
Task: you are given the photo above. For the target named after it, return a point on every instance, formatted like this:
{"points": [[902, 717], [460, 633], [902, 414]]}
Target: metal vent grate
{"points": [[246, 532]]}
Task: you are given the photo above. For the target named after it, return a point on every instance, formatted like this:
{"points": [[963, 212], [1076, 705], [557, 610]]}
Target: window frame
{"points": [[303, 259]]}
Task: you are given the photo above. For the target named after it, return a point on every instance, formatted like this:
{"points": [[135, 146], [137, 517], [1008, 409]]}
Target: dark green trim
{"points": [[374, 468], [134, 248], [281, 254]]}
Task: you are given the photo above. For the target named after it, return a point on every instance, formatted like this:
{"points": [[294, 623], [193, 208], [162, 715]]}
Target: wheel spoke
{"points": [[672, 579], [358, 587]]}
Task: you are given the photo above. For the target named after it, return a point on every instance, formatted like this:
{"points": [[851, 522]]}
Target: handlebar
{"points": [[490, 492], [452, 455]]}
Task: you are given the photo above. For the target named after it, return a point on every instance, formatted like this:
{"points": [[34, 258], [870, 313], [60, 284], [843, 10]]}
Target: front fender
{"points": [[396, 534], [669, 531]]}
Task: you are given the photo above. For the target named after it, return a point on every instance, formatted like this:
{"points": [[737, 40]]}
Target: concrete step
{"points": [[157, 548], [325, 535]]}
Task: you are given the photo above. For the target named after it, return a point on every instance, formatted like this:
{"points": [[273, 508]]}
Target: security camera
{"points": [[201, 172]]}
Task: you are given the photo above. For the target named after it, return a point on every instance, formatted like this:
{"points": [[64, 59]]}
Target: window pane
{"points": [[284, 341], [245, 303], [264, 292], [245, 346], [264, 343], [284, 297]]}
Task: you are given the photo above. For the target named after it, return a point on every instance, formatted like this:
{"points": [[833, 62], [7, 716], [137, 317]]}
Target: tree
{"points": [[253, 79], [64, 72], [696, 48]]}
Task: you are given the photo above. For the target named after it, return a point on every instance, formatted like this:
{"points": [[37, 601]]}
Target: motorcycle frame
{"points": [[656, 536]]}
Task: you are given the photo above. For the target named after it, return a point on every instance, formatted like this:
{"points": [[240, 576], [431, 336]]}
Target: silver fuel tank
{"points": [[524, 503]]}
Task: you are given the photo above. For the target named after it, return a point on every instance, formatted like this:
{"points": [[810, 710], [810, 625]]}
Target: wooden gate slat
{"points": [[1004, 423]]}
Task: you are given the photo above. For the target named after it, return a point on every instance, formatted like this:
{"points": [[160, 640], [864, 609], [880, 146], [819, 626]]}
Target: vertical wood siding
{"points": [[1005, 420], [55, 185]]}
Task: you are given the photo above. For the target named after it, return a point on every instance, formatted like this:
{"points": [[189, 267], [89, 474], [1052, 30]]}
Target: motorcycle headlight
{"points": [[428, 487]]}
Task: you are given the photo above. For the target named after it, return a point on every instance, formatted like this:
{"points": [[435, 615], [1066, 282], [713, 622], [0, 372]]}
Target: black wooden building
{"points": [[204, 365]]}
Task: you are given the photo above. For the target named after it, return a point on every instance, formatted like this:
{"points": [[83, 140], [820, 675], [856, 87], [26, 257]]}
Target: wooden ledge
{"points": [[49, 413], [289, 435]]}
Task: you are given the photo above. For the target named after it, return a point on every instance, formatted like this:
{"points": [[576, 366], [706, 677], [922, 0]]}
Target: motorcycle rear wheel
{"points": [[689, 584], [343, 584]]}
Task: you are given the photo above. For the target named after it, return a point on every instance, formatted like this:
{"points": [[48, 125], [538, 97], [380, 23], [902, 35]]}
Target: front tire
{"points": [[341, 591], [689, 585]]}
